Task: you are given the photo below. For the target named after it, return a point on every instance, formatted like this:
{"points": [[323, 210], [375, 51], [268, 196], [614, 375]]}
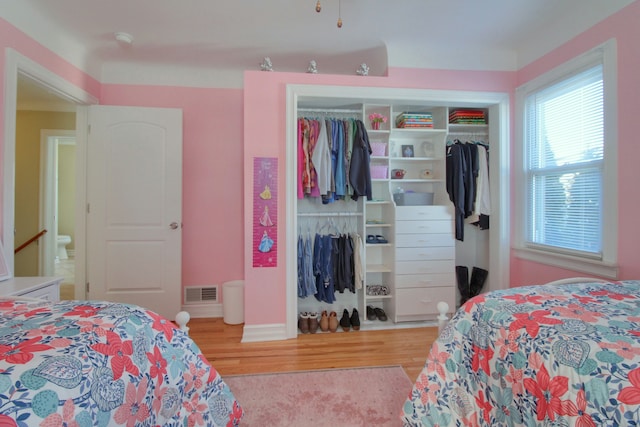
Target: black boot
{"points": [[478, 277], [345, 322], [462, 276], [355, 320]]}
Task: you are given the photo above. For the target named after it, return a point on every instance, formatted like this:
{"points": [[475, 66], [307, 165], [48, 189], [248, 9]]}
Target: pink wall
{"points": [[212, 155], [218, 153], [265, 121], [623, 26], [212, 202]]}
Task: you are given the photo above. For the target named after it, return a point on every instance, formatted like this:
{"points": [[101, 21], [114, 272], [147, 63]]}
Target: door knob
{"points": [[173, 225]]}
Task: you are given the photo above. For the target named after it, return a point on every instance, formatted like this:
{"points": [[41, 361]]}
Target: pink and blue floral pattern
{"points": [[87, 363], [564, 355]]}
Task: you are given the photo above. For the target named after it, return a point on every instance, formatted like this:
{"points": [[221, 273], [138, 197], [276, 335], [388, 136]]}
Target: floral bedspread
{"points": [[565, 355], [87, 363]]}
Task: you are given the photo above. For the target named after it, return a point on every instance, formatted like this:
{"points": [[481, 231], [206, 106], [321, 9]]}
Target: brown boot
{"points": [[324, 321], [303, 322], [333, 321], [313, 322]]}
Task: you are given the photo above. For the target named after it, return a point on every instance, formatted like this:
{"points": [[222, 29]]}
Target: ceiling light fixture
{"points": [[319, 8], [124, 38]]}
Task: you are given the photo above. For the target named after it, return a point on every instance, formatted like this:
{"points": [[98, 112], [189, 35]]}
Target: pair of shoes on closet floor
{"points": [[328, 322], [346, 322], [374, 313], [308, 322]]}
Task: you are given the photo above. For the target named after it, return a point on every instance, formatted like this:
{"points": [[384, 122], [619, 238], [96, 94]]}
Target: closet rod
{"points": [[330, 214], [468, 133], [329, 110]]}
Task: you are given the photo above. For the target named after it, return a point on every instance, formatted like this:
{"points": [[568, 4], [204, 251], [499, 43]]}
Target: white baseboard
{"points": [[203, 310], [257, 333]]}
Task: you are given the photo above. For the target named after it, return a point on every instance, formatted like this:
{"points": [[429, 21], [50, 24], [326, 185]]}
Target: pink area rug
{"points": [[328, 398]]}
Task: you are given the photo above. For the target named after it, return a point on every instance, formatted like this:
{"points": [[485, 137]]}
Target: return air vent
{"points": [[200, 294]]}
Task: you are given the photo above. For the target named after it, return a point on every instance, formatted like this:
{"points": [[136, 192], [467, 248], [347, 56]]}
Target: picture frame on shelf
{"points": [[407, 151]]}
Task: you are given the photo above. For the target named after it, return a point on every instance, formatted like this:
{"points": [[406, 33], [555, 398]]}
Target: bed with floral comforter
{"points": [[87, 363], [563, 355]]}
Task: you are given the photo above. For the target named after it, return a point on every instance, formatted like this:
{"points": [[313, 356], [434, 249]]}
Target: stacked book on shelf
{"points": [[414, 120], [467, 117]]}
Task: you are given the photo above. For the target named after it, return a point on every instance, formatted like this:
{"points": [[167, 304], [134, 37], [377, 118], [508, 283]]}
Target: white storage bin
{"points": [[233, 302]]}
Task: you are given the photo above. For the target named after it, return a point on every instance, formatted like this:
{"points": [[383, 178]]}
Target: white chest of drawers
{"points": [[424, 261], [47, 288]]}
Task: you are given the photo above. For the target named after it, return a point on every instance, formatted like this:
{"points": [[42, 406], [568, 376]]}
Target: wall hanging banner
{"points": [[265, 212]]}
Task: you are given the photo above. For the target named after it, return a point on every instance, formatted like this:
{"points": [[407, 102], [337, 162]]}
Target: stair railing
{"points": [[30, 241]]}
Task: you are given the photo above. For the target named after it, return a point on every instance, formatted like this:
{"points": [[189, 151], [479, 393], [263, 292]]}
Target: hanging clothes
{"points": [[340, 173], [306, 277], [322, 160], [482, 206], [467, 183], [455, 182], [360, 172], [359, 264], [326, 166], [323, 261]]}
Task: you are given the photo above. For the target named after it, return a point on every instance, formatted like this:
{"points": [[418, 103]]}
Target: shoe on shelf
{"points": [[355, 320], [303, 322], [381, 239], [324, 321], [380, 314], [371, 315], [345, 323], [313, 322], [333, 322], [371, 239]]}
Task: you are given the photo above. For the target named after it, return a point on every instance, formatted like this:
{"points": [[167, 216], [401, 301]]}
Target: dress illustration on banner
{"points": [[265, 219], [265, 212], [266, 194], [266, 243]]}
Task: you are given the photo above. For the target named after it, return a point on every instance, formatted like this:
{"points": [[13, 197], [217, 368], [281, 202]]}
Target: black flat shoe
{"points": [[345, 323], [355, 320], [380, 314], [371, 315]]}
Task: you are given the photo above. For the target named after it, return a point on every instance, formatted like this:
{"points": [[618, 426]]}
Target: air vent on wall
{"points": [[201, 294]]}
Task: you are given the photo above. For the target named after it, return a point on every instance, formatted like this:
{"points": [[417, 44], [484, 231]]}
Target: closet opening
{"points": [[406, 226]]}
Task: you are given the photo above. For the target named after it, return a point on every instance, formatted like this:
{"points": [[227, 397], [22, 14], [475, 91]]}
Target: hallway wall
{"points": [[27, 194]]}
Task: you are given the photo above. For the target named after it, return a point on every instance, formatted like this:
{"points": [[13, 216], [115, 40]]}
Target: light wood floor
{"points": [[220, 343]]}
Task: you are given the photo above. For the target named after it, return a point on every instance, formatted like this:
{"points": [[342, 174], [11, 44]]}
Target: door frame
{"points": [[15, 64], [499, 164], [50, 139]]}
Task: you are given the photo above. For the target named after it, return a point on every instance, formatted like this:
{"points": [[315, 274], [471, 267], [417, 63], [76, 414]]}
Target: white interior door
{"points": [[134, 209]]}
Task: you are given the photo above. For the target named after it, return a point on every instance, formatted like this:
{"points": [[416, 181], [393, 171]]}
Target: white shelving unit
{"points": [[417, 258]]}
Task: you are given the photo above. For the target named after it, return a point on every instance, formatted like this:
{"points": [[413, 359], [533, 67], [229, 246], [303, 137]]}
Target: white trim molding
{"points": [[605, 53], [16, 63]]}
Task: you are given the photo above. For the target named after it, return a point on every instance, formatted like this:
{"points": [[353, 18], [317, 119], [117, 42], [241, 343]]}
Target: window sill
{"points": [[597, 268]]}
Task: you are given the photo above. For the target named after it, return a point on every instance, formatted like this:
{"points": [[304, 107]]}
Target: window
{"points": [[566, 163]]}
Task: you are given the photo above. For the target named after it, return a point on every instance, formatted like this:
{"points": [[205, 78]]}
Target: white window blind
{"points": [[564, 154]]}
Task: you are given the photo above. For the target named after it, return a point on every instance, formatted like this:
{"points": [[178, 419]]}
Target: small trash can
{"points": [[233, 302]]}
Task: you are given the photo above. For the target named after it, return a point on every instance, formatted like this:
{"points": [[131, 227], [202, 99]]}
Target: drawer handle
{"points": [[425, 301]]}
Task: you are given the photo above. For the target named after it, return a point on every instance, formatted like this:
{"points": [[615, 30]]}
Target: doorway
{"points": [[39, 86], [57, 207]]}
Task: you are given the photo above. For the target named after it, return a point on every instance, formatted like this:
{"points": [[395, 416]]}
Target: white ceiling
{"points": [[210, 43]]}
